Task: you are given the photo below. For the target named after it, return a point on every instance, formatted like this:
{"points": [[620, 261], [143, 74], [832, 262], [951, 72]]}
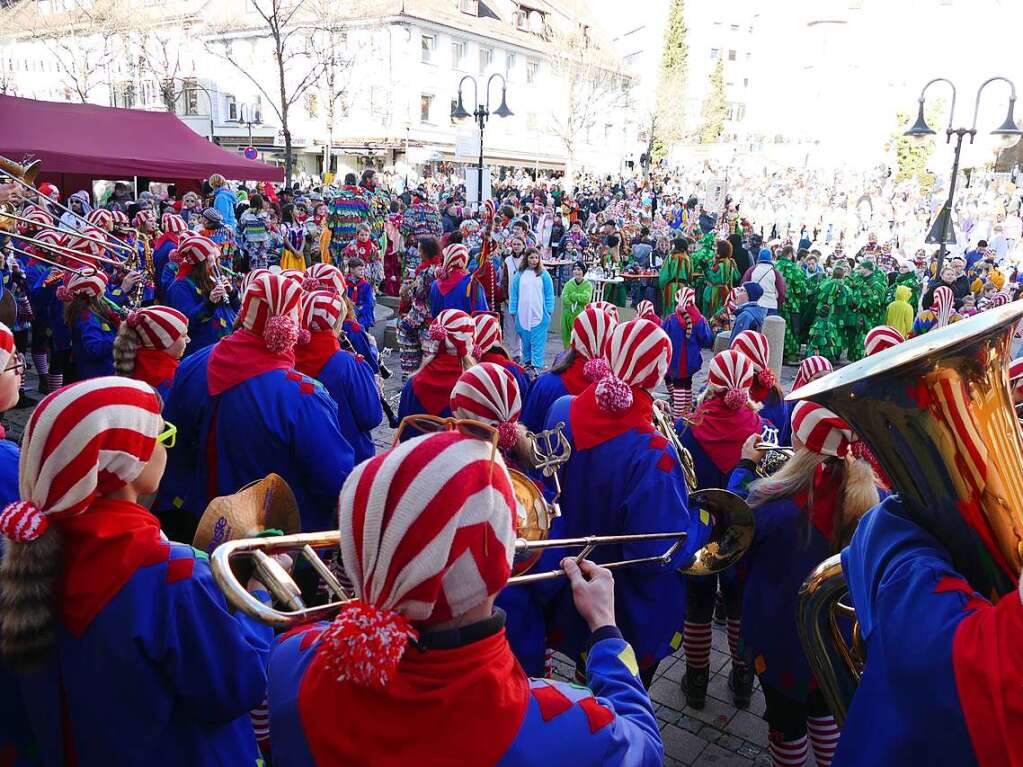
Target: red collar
{"points": [[820, 500], [311, 357], [592, 426], [720, 431], [479, 685], [499, 358], [573, 379], [103, 548], [433, 384], [171, 237], [154, 366], [450, 281], [239, 357]]}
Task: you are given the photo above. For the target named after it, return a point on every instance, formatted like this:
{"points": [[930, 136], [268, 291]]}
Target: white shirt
{"points": [[764, 275], [530, 311]]}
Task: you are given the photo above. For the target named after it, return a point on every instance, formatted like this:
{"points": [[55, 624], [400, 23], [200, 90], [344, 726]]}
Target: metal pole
{"points": [[942, 250], [481, 116]]}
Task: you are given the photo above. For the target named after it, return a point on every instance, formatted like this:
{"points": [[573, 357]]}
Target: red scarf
{"points": [[433, 384], [573, 379], [103, 548], [591, 425], [239, 357], [500, 359], [154, 366], [185, 270], [171, 237], [450, 281], [311, 357], [721, 431], [820, 502], [428, 264], [463, 706]]}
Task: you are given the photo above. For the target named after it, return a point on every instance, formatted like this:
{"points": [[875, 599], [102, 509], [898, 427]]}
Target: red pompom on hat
{"points": [[732, 373], [488, 333], [453, 330], [638, 353], [757, 348], [270, 309]]}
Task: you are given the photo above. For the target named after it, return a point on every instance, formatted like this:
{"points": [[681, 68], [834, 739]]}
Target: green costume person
{"points": [[795, 297], [676, 272], [813, 286], [574, 297], [721, 277], [703, 260], [869, 294], [826, 333]]}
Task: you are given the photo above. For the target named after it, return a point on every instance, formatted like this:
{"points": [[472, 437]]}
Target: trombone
{"points": [[4, 214]]}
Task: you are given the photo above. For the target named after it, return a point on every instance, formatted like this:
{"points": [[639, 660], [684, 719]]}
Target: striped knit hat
{"points": [[645, 311], [323, 310], [456, 256], [606, 306], [732, 373], [250, 276], [880, 338], [328, 277], [453, 330], [1016, 373], [100, 217], [1000, 299], [755, 346], [820, 430], [733, 300], [120, 219], [196, 249], [34, 217], [590, 331], [213, 215], [93, 286], [173, 223], [270, 309], [944, 305], [294, 275], [638, 353], [488, 392], [488, 333], [427, 534], [87, 439], [683, 298], [6, 346], [144, 219], [810, 369], [158, 327], [89, 242]]}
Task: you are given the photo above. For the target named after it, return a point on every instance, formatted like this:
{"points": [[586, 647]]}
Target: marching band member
{"points": [[92, 325], [607, 307], [173, 227], [809, 370], [210, 305], [126, 650], [689, 333], [348, 380], [422, 648], [455, 288], [765, 390], [582, 365], [611, 425], [242, 412], [805, 512], [487, 348], [725, 417], [880, 338], [329, 277], [428, 391], [149, 345], [645, 311]]}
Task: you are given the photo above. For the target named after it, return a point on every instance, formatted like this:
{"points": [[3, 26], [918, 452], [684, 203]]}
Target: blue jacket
{"points": [[361, 294], [547, 389], [548, 299], [92, 346], [224, 201], [351, 385], [207, 322], [749, 316], [686, 358], [465, 295], [277, 422], [362, 343]]}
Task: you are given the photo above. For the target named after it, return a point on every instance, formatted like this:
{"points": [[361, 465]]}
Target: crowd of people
{"points": [[187, 347]]}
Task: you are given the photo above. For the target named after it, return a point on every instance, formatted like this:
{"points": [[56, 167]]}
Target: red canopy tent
{"points": [[107, 143]]}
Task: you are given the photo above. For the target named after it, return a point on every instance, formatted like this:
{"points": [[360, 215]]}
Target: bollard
{"points": [[774, 329], [721, 341]]}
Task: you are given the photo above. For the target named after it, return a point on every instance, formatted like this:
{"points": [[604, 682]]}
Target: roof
{"points": [[117, 143]]}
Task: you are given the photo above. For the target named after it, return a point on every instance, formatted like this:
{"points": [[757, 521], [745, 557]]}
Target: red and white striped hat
{"points": [[488, 333], [645, 311], [173, 223], [87, 439], [880, 338], [731, 374], [606, 306], [755, 346], [488, 392], [196, 249], [158, 327], [329, 277], [51, 237], [100, 217], [94, 285], [427, 534], [684, 297], [590, 331], [119, 218], [453, 330], [323, 310], [820, 430], [34, 217], [944, 305], [638, 352], [6, 345], [1016, 373], [810, 369], [250, 276], [294, 275], [270, 309], [1000, 299], [456, 256], [89, 241], [143, 219]]}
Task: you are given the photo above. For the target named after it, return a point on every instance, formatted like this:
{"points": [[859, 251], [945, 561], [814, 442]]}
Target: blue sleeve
{"points": [[186, 298], [702, 334], [323, 454], [215, 661], [742, 322], [548, 296], [222, 203], [612, 673], [363, 396], [513, 295], [479, 298], [96, 343], [435, 306], [368, 300], [740, 479]]}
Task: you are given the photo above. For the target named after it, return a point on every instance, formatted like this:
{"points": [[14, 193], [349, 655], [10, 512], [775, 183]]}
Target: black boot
{"points": [[740, 682], [694, 686], [720, 615]]}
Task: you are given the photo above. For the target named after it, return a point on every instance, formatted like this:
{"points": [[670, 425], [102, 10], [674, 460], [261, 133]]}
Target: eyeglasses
{"points": [[17, 365], [168, 436], [418, 425]]}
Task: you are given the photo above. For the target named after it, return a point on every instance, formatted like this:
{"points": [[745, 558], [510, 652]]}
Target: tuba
{"points": [[937, 413]]}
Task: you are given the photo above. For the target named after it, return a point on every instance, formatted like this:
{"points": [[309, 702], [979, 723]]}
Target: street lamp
{"points": [[482, 114], [1008, 134]]}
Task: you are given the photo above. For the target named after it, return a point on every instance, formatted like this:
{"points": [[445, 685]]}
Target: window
{"points": [[532, 70], [454, 106], [521, 19], [731, 54], [715, 54], [312, 107], [531, 121], [607, 131], [745, 82], [509, 64], [486, 58], [257, 110], [125, 95], [427, 53], [232, 108], [457, 54], [425, 104], [740, 112], [472, 7], [735, 27], [191, 98]]}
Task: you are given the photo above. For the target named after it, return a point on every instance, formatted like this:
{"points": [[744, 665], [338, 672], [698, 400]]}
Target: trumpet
{"points": [[775, 455], [664, 426], [730, 537]]}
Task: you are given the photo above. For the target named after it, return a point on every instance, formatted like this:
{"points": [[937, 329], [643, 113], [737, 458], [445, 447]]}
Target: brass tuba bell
{"points": [[937, 413]]}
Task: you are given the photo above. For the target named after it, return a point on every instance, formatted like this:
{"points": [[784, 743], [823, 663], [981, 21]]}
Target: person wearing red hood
{"points": [[149, 344], [454, 287], [210, 305], [243, 412], [429, 390], [487, 348], [173, 227]]}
